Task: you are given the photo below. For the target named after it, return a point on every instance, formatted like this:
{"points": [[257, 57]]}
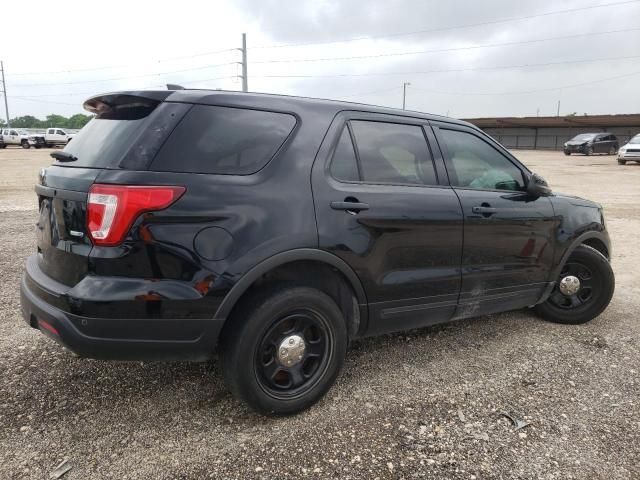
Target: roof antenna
{"points": [[173, 86]]}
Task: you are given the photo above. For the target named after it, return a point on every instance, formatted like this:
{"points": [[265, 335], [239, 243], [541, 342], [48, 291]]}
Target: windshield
{"points": [[635, 140], [584, 136]]}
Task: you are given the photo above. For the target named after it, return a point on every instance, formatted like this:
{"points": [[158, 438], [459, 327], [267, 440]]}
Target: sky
{"points": [[460, 58]]}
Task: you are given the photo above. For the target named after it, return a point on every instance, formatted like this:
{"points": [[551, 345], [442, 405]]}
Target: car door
{"points": [[601, 144], [508, 234], [14, 137], [383, 205], [61, 137]]}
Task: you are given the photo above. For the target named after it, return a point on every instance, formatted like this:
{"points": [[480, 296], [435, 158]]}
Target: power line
{"points": [[449, 49], [362, 94], [452, 70], [549, 89], [169, 59], [93, 92], [453, 27], [21, 85], [29, 99]]}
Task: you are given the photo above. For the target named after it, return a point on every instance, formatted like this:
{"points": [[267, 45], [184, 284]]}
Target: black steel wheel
{"points": [[575, 286], [283, 348], [293, 354], [583, 289]]}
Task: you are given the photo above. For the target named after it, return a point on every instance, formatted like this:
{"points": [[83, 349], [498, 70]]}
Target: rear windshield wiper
{"points": [[63, 156]]}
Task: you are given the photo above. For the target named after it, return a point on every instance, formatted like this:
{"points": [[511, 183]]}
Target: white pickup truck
{"points": [[13, 136], [57, 136]]}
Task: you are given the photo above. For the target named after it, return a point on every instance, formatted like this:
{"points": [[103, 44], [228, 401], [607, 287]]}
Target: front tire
{"points": [[596, 284], [283, 349], [567, 153], [622, 162], [612, 150], [588, 151], [25, 145]]}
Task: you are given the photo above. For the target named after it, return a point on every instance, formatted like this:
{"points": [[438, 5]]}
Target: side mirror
{"points": [[537, 186]]}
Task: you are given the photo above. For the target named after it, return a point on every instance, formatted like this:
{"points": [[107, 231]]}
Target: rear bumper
{"points": [[116, 339]]}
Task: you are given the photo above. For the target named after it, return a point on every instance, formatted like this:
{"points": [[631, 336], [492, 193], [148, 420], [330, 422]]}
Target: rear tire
{"points": [[260, 332], [612, 151], [597, 284], [567, 153]]}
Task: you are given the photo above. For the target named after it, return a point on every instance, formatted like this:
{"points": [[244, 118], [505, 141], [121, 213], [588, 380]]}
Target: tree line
{"points": [[76, 121]]}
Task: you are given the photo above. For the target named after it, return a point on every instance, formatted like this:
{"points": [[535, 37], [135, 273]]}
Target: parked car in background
{"points": [[273, 230], [13, 136], [57, 136], [2, 145], [590, 143], [630, 151]]}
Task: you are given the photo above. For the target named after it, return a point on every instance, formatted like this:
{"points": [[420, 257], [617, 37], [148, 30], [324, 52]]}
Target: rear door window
{"points": [[393, 153], [224, 140]]}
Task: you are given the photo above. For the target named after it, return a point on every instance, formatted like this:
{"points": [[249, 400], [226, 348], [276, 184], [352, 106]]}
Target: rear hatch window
{"points": [[223, 140], [125, 133]]}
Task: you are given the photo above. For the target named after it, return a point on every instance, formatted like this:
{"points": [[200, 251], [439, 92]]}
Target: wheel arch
{"points": [[292, 258], [593, 239]]}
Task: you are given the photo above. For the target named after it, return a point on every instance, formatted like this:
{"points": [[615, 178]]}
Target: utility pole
{"points": [[245, 80], [404, 94], [4, 91], [558, 111]]}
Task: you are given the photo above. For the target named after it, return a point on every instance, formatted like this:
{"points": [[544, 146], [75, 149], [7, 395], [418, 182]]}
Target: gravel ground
{"points": [[423, 404]]}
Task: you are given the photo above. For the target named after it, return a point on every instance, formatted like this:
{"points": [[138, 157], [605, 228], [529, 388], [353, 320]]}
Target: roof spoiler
{"points": [[101, 104], [173, 86]]}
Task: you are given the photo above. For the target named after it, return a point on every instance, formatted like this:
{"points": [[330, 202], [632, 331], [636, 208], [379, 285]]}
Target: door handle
{"points": [[485, 210], [349, 206]]}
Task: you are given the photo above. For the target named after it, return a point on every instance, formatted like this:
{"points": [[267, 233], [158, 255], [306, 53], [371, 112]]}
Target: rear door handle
{"points": [[484, 210], [349, 206]]}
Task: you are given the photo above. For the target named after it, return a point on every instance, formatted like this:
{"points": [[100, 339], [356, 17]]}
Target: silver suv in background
{"points": [[630, 151]]}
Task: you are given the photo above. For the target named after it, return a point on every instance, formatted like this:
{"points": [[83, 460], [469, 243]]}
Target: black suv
{"points": [[590, 143], [273, 230]]}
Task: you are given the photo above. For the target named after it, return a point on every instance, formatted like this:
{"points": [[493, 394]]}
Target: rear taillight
{"points": [[112, 209]]}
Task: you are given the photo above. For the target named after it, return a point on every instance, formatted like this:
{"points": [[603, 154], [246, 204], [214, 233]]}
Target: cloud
{"points": [[464, 80]]}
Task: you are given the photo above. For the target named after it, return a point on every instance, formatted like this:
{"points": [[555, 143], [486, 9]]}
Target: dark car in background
{"points": [[274, 230], [590, 143]]}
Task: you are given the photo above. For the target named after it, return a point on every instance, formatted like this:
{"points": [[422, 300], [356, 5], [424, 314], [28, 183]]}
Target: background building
{"points": [[550, 133]]}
